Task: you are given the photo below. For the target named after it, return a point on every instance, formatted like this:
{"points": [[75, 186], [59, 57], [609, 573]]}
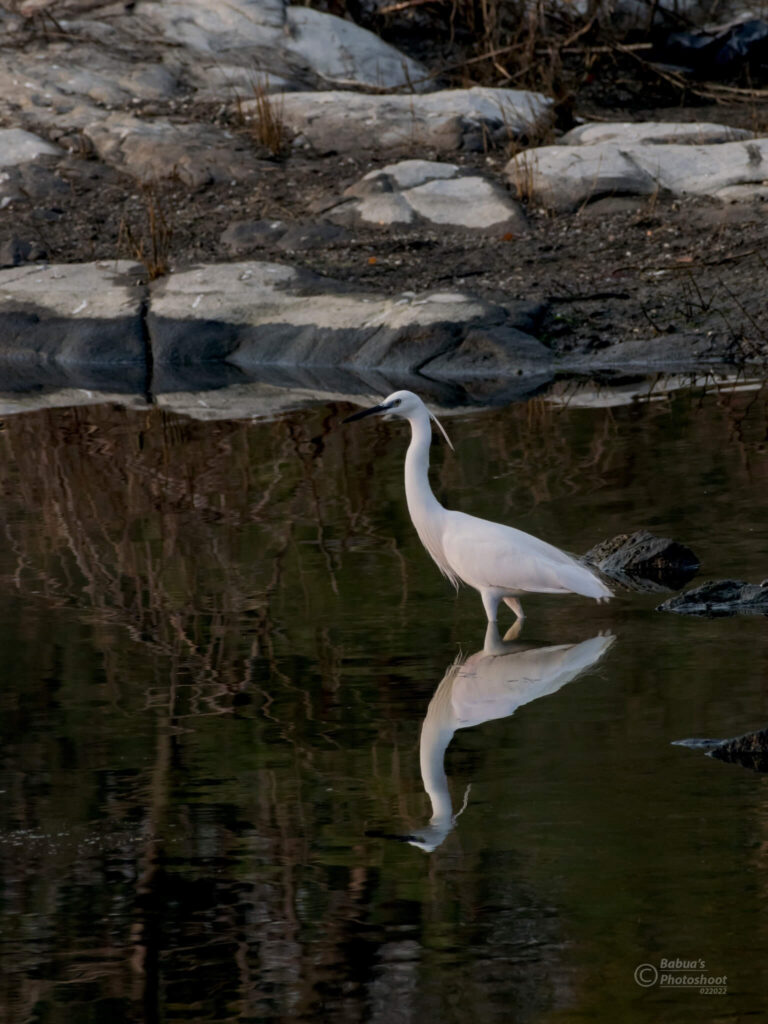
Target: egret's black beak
{"points": [[365, 412]]}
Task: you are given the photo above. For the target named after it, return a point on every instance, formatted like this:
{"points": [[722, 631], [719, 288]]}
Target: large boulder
{"points": [[566, 177], [265, 314], [642, 561], [242, 33], [445, 121]]}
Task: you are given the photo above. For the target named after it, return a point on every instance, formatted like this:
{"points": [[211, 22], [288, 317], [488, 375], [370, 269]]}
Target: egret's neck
{"points": [[422, 504], [436, 733]]}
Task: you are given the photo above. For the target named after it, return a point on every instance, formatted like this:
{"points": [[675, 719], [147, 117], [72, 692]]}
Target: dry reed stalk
{"points": [[152, 245]]}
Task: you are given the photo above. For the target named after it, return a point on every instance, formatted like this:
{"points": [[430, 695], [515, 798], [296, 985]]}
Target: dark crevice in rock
{"points": [[149, 363]]}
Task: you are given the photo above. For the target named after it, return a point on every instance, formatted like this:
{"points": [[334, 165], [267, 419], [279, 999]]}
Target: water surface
{"points": [[219, 643]]}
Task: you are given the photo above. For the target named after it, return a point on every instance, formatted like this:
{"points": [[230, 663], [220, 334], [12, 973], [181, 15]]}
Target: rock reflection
{"points": [[493, 683]]}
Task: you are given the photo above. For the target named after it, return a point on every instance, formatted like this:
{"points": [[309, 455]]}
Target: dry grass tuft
{"points": [[264, 120], [149, 242]]}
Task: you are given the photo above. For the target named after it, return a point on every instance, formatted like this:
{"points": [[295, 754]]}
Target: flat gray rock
{"points": [[197, 154], [20, 147], [467, 202], [445, 121], [565, 177], [427, 190], [650, 132], [243, 236], [84, 93], [74, 313], [265, 314]]}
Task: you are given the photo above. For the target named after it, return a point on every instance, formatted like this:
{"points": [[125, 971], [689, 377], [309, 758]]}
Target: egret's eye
{"points": [[397, 401]]}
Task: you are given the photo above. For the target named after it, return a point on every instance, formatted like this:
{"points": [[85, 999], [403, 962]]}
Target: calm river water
{"points": [[219, 644]]}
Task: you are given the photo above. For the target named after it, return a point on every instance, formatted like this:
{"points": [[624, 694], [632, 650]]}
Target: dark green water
{"points": [[219, 642]]}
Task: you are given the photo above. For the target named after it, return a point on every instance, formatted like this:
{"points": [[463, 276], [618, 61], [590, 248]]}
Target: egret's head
{"points": [[400, 403], [403, 405]]}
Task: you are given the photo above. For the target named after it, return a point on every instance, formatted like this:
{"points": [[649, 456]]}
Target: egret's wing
{"points": [[495, 686], [487, 554]]}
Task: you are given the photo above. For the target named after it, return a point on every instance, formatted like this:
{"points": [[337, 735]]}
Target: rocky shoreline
{"points": [[394, 228]]}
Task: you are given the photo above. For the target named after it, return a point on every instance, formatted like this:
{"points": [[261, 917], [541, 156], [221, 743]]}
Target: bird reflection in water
{"points": [[493, 683]]}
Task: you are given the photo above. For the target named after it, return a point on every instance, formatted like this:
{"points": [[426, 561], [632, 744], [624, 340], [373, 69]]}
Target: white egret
{"points": [[499, 561]]}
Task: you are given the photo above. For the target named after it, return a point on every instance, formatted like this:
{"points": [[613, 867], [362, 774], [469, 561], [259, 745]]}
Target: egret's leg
{"points": [[490, 603], [514, 604], [514, 631]]}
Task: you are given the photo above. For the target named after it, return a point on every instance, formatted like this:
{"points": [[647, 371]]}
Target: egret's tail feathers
{"points": [[584, 581]]}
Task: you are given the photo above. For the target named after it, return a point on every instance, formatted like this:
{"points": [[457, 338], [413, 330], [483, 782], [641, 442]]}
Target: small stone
{"points": [[410, 173], [427, 190], [15, 251], [299, 237], [243, 236]]}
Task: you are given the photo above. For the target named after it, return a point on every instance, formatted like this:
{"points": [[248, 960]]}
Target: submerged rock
{"points": [[642, 561], [749, 750], [720, 597]]}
